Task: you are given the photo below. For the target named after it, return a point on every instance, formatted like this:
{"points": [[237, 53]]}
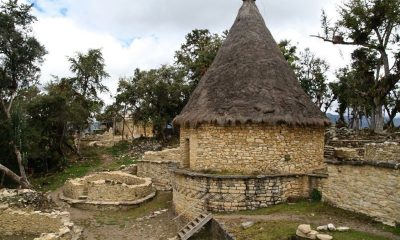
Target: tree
{"points": [[89, 72], [312, 74], [290, 53], [372, 25], [155, 96], [20, 56], [197, 53], [311, 71]]}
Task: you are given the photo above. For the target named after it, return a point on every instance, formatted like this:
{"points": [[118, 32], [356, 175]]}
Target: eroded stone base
{"points": [[195, 193]]}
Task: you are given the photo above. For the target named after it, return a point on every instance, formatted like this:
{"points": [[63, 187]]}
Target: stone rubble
{"points": [[31, 212], [305, 231], [152, 215], [246, 225]]}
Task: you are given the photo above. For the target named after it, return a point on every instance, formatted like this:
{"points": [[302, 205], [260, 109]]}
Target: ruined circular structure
{"points": [[108, 189]]}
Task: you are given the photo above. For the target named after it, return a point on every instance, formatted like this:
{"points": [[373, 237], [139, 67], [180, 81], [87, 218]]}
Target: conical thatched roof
{"points": [[250, 82]]}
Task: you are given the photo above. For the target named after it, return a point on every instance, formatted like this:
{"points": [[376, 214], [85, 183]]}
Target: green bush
{"points": [[315, 195]]}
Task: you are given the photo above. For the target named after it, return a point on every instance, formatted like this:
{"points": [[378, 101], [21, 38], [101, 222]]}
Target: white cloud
{"points": [[145, 33]]}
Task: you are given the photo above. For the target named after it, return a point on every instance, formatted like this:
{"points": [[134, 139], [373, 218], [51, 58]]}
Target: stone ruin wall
{"points": [[54, 225], [361, 187], [387, 152], [108, 187], [195, 193], [158, 165], [253, 149]]}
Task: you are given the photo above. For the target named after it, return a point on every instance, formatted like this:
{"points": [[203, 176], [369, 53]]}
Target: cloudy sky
{"points": [[146, 33]]}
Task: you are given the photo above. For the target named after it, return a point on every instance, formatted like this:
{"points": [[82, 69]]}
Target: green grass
{"points": [[119, 148], [310, 209], [91, 163], [75, 170], [120, 154], [161, 201], [284, 230]]}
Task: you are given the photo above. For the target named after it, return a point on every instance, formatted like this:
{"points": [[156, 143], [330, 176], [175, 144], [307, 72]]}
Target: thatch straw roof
{"points": [[250, 82]]}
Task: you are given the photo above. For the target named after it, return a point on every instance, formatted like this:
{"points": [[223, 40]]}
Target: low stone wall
{"points": [[172, 154], [158, 166], [159, 172], [54, 225], [366, 187], [108, 187], [195, 193], [387, 151]]}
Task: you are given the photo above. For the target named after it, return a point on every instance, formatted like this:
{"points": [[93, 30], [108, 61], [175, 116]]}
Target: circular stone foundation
{"points": [[108, 189]]}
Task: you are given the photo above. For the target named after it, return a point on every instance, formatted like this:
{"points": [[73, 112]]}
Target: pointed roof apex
{"points": [[250, 82]]}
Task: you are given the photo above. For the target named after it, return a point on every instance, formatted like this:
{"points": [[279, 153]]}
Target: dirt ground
{"points": [[138, 223]]}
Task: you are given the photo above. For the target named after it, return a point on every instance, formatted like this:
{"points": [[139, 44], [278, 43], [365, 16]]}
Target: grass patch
{"points": [[285, 230], [163, 200], [120, 153], [312, 209], [119, 148], [75, 169], [315, 211]]}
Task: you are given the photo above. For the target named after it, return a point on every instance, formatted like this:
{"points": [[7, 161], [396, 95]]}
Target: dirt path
{"points": [[234, 221], [132, 224], [128, 224]]}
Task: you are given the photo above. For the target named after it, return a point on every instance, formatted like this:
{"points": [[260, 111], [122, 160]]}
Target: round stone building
{"points": [[250, 136]]}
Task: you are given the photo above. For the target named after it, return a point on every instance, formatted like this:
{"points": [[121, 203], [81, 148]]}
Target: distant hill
{"points": [[335, 117]]}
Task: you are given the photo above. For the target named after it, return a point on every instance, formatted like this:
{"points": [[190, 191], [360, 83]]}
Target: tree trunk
{"points": [[20, 163], [2, 180], [123, 124], [23, 182], [378, 116]]}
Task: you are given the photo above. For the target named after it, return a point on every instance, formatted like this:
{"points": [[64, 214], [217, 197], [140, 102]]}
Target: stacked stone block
{"points": [[363, 188], [253, 149], [158, 166], [387, 151], [195, 193]]}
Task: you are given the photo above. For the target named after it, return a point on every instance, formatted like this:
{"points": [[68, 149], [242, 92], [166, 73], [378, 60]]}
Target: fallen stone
{"points": [[300, 234], [331, 227], [324, 237], [322, 228], [342, 229], [247, 225], [312, 235], [304, 228], [158, 212], [346, 153]]}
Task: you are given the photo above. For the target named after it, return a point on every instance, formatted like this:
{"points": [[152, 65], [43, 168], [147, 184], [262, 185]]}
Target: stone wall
{"points": [[159, 172], [253, 149], [158, 165], [54, 225], [195, 193], [387, 151], [172, 154], [108, 187], [364, 188]]}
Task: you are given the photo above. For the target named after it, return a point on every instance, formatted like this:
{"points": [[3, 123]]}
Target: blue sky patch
{"points": [[63, 11]]}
